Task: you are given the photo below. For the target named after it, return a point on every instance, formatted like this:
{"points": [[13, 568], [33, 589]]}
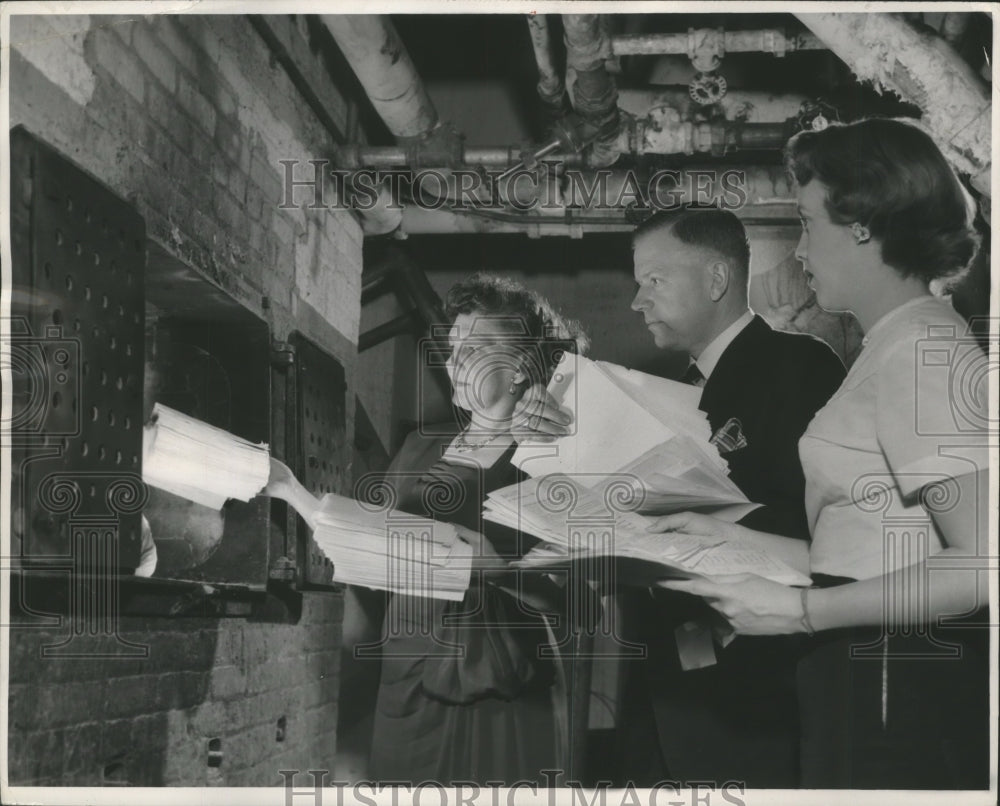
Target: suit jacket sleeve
{"points": [[804, 375]]}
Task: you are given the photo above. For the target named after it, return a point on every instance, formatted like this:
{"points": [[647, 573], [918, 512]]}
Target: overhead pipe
{"points": [[751, 106], [770, 40], [418, 221], [414, 155], [954, 24], [551, 89], [595, 97], [384, 67], [925, 70]]}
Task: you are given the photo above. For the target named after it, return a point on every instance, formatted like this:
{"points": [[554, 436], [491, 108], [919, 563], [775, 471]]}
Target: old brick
{"points": [[119, 61], [267, 178], [228, 139], [196, 104], [70, 703], [182, 689], [208, 719], [283, 227], [164, 109], [116, 738], [149, 733], [185, 764], [179, 41], [158, 59], [254, 202], [129, 696], [237, 184], [34, 756], [205, 231], [227, 682], [258, 238]]}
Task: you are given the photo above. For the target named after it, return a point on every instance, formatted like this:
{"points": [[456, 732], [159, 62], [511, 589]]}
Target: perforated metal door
{"points": [[78, 270], [321, 442]]}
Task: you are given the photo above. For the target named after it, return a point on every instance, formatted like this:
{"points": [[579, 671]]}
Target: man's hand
{"points": [[538, 418]]}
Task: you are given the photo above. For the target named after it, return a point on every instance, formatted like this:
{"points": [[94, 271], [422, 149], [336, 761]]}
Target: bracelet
{"points": [[806, 623]]}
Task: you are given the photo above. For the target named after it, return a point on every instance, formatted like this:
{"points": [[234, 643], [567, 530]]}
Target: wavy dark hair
{"points": [[891, 177], [543, 326]]}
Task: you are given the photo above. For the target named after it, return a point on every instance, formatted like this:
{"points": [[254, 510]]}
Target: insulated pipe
{"points": [[384, 68], [360, 156], [594, 95], [751, 106], [764, 41], [551, 89], [923, 69], [417, 221]]}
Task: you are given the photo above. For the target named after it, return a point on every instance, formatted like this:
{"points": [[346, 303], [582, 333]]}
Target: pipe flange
{"points": [[707, 88], [816, 116], [706, 47]]}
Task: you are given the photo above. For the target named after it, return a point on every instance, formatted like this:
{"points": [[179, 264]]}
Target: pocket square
{"points": [[730, 437]]}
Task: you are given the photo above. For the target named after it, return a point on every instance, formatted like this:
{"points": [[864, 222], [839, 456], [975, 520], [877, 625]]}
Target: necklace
{"points": [[462, 445]]}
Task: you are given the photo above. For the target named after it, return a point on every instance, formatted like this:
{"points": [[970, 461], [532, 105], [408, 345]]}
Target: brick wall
{"points": [[149, 722], [187, 117]]}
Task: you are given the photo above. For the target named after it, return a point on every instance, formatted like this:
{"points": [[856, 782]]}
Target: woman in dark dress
{"points": [[488, 716]]}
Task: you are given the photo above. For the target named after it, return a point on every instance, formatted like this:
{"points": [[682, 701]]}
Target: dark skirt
{"points": [[487, 718], [897, 711]]}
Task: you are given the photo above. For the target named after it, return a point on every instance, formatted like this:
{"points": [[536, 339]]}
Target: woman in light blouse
{"points": [[894, 692]]}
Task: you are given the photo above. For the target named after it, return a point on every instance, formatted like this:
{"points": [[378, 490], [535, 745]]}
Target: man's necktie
{"points": [[693, 375]]}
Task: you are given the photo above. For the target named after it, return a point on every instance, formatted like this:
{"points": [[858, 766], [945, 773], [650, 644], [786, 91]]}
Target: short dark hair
{"points": [[892, 178], [489, 294], [712, 228]]}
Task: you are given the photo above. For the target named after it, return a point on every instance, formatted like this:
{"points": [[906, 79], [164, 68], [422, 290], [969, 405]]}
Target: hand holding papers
{"points": [[200, 462], [629, 424], [578, 522], [391, 550]]}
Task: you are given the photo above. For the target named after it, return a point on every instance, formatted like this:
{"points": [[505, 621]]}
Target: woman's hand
{"points": [[281, 482], [538, 418], [694, 523], [751, 604]]}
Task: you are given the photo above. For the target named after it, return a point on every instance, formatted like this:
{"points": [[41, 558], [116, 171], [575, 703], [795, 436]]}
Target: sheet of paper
{"points": [[600, 443]]}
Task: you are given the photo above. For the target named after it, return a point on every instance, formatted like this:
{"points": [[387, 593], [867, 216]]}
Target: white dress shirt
{"points": [[710, 356]]}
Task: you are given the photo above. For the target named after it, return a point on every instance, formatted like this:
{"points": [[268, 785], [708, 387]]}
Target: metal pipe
{"points": [[360, 156], [386, 331], [551, 89], [923, 69], [384, 68], [418, 221], [764, 41], [953, 27], [750, 106], [595, 97]]}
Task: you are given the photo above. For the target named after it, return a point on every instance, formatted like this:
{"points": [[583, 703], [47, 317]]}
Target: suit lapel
{"points": [[733, 372]]}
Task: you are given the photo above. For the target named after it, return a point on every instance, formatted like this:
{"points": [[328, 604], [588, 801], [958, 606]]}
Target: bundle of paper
{"points": [[618, 414], [577, 525], [392, 550], [200, 462]]}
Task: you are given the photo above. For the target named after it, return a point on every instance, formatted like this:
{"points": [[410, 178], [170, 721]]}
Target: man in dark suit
{"points": [[735, 719]]}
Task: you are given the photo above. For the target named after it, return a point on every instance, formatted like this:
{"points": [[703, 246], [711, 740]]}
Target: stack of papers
{"points": [[577, 525], [200, 462], [391, 550], [640, 429]]}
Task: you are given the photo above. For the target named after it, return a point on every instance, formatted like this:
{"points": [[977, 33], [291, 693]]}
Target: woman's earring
{"points": [[861, 233], [514, 384]]}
